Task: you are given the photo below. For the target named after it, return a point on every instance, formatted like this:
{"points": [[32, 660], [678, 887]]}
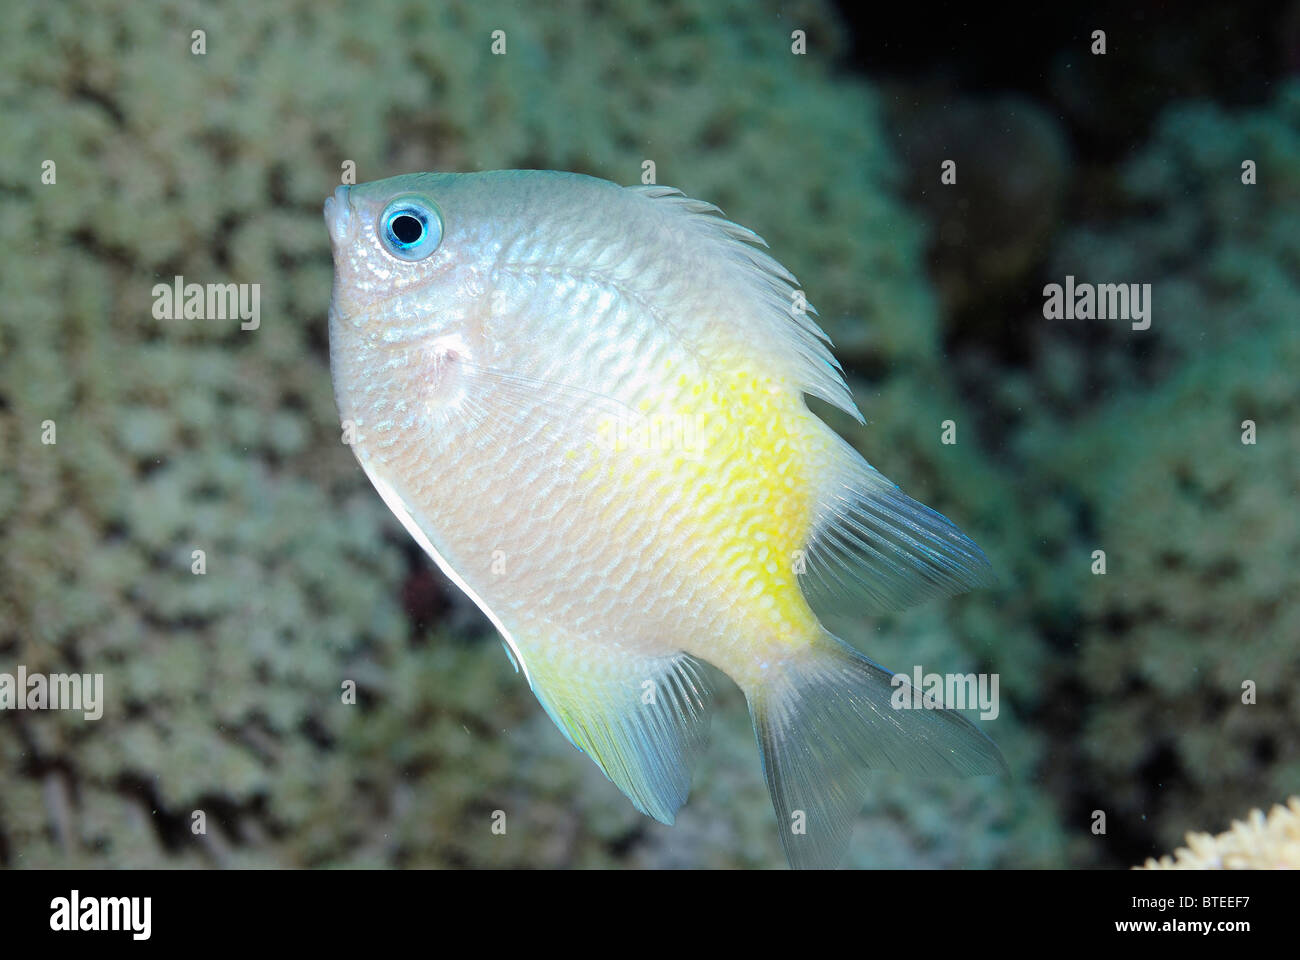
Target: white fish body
{"points": [[585, 402]]}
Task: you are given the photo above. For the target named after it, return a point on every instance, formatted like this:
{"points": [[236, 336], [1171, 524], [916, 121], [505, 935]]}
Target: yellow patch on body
{"points": [[750, 466]]}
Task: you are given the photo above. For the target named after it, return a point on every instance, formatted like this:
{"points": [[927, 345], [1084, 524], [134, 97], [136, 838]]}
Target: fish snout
{"points": [[339, 217]]}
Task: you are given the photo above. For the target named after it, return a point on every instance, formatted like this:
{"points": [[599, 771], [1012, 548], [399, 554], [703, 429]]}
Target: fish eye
{"points": [[410, 229]]}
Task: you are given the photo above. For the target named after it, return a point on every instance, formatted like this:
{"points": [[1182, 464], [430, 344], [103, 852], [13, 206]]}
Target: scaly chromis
{"points": [[586, 403]]}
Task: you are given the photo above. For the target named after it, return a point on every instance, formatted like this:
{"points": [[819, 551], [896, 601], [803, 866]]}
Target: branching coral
{"points": [[1256, 843]]}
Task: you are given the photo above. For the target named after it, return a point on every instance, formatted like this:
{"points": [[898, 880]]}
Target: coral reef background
{"points": [[1121, 693]]}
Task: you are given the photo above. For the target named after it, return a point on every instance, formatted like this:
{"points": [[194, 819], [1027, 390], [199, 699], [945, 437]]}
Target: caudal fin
{"points": [[825, 722]]}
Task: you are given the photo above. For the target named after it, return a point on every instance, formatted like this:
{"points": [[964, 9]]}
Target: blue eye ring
{"points": [[410, 228]]}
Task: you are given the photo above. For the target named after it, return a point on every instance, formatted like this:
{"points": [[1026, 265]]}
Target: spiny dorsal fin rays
{"points": [[789, 335]]}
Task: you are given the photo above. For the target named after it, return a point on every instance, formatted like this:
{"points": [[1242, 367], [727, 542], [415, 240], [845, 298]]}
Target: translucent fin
{"points": [[873, 548], [756, 292], [642, 722], [825, 722], [508, 408]]}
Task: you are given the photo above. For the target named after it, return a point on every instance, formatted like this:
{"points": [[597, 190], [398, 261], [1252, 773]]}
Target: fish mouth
{"points": [[339, 217]]}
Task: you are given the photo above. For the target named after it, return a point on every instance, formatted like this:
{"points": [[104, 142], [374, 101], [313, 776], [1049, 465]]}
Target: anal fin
{"points": [[642, 719]]}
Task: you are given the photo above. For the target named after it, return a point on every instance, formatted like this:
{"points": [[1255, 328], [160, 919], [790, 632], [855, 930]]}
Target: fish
{"points": [[587, 403]]}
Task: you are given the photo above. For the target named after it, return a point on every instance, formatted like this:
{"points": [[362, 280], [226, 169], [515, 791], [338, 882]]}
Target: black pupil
{"points": [[406, 228]]}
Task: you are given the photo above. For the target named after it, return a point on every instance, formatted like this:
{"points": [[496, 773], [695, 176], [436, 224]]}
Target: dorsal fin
{"points": [[873, 548], [761, 296]]}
